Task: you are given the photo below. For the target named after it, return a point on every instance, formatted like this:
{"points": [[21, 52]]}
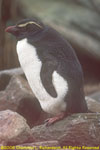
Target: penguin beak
{"points": [[11, 29]]}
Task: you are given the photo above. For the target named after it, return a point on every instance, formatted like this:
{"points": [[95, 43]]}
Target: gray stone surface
{"points": [[93, 104], [18, 97], [96, 96], [77, 129], [13, 128], [5, 76], [40, 145]]}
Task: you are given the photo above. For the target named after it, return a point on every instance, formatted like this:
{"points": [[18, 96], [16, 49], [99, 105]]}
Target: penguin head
{"points": [[26, 28]]}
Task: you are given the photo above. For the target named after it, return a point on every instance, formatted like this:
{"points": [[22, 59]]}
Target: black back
{"points": [[57, 54]]}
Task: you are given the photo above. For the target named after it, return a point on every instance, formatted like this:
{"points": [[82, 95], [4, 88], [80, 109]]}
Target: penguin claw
{"points": [[52, 120], [45, 121]]}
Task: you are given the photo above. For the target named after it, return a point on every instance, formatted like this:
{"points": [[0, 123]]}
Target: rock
{"points": [[96, 96], [90, 89], [93, 105], [13, 128], [19, 97], [77, 129], [6, 75], [40, 145]]}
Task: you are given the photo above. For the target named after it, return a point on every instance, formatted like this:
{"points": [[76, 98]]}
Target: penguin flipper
{"points": [[46, 77]]}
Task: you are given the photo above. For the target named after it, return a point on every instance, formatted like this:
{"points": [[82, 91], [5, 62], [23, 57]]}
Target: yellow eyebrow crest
{"points": [[31, 22]]}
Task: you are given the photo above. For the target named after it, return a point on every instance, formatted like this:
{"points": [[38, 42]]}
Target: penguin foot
{"points": [[52, 120]]}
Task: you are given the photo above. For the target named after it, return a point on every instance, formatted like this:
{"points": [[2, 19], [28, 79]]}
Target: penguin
{"points": [[51, 67]]}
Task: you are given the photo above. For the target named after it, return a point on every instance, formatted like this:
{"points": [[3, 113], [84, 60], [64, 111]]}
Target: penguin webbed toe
{"points": [[53, 120]]}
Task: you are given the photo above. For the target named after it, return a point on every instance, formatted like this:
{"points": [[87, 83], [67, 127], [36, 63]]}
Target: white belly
{"points": [[31, 66]]}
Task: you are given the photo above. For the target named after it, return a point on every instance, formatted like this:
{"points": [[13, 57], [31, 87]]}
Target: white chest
{"points": [[31, 66]]}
